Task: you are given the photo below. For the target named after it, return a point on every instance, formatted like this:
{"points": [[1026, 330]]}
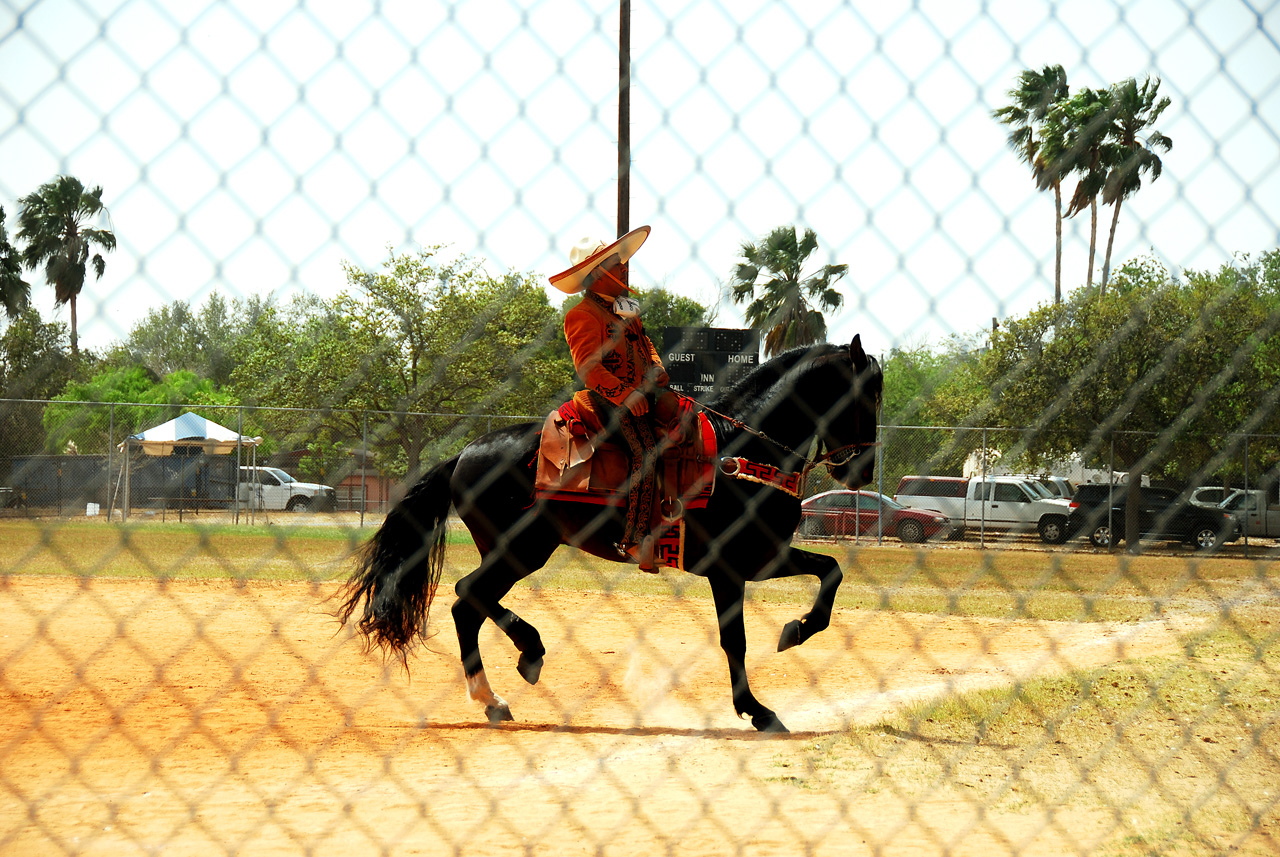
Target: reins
{"points": [[826, 459]]}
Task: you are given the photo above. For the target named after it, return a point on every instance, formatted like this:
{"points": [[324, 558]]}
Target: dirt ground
{"points": [[192, 718]]}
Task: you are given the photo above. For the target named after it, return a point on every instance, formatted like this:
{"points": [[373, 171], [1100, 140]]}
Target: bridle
{"points": [[828, 459]]}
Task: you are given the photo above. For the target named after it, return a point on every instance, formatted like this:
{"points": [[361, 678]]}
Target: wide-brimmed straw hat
{"points": [[590, 252]]}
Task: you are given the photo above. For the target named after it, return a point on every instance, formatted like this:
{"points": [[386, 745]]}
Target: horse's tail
{"points": [[398, 570]]}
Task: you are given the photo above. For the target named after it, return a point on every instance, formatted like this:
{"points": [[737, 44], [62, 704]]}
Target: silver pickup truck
{"points": [[1256, 514], [994, 503]]}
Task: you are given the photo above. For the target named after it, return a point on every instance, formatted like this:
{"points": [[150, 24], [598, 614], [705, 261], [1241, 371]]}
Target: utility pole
{"points": [[624, 117]]}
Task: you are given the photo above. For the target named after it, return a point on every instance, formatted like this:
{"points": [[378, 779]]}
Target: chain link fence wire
{"points": [[172, 676]]}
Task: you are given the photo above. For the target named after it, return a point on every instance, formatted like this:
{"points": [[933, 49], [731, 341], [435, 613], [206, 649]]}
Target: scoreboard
{"points": [[704, 361]]}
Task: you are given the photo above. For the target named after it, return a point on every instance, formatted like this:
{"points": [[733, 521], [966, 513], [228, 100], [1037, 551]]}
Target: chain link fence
{"points": [[172, 676], [64, 458], [106, 465]]}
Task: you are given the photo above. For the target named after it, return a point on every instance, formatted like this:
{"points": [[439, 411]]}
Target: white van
{"points": [[272, 489]]}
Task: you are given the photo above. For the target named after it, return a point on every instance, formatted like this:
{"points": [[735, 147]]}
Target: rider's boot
{"points": [[643, 553]]}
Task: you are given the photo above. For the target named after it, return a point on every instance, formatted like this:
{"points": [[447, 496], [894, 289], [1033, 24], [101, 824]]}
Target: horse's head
{"points": [[848, 428], [827, 393]]}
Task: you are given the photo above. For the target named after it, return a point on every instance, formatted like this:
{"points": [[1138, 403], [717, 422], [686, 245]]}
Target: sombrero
{"points": [[590, 252]]}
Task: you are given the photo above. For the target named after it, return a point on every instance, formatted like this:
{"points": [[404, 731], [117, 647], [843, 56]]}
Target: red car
{"points": [[849, 514]]}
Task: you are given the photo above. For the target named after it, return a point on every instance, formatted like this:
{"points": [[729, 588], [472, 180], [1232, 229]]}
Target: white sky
{"points": [[249, 147]]}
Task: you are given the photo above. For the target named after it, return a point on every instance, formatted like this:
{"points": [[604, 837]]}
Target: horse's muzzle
{"points": [[857, 472]]}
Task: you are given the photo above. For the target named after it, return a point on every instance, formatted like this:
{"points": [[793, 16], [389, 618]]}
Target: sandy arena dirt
{"points": [[191, 718]]}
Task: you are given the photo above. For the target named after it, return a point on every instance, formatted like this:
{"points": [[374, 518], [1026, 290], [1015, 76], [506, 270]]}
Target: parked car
{"points": [[272, 489], [1098, 513], [1058, 487], [994, 503], [867, 513], [1208, 496]]}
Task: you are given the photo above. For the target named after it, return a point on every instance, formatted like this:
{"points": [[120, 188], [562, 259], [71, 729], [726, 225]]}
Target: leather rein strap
{"points": [[767, 474]]}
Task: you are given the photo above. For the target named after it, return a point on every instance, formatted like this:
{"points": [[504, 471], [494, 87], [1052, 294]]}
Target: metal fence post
{"points": [[983, 492], [1245, 523], [880, 482], [111, 442], [235, 477], [1111, 487], [364, 466]]}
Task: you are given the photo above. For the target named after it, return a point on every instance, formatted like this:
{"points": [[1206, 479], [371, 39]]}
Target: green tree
{"points": [[176, 336], [15, 293], [1134, 143], [784, 310], [133, 400], [926, 389], [1167, 373], [661, 309], [423, 336], [1028, 116], [34, 364], [52, 222]]}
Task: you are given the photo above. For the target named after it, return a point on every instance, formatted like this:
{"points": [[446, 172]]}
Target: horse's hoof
{"points": [[529, 669], [790, 636], [768, 723], [498, 713]]}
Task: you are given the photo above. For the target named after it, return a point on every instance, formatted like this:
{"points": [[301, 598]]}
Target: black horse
{"points": [[828, 394]]}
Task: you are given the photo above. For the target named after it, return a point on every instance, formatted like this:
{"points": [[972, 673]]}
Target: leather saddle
{"points": [[579, 465]]}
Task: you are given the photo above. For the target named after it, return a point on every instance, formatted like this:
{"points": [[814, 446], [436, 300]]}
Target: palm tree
{"points": [[1085, 121], [1032, 101], [1136, 108], [15, 293], [784, 312], [52, 222]]}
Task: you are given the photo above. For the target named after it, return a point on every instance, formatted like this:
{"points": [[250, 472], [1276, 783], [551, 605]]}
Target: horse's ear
{"points": [[859, 357]]}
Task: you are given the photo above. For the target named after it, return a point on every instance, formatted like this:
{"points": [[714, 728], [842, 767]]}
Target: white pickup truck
{"points": [[1257, 515], [272, 489], [996, 503]]}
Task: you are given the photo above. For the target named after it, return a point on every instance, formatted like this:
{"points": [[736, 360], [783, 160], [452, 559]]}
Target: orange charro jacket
{"points": [[610, 354]]}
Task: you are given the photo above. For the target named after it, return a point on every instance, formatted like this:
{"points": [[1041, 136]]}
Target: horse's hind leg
{"points": [[467, 619], [796, 562], [479, 597]]}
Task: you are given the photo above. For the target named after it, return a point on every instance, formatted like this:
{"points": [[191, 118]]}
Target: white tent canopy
{"points": [[190, 429]]}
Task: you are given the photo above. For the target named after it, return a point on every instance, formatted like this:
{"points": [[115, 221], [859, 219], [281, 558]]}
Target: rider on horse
{"points": [[621, 370]]}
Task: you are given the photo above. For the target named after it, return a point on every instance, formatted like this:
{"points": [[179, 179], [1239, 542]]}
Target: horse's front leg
{"points": [[728, 596], [795, 562]]}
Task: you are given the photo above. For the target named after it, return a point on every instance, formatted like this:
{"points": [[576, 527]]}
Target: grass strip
{"points": [[963, 582]]}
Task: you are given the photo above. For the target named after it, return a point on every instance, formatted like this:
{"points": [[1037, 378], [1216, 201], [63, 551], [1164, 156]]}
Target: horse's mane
{"points": [[762, 381]]}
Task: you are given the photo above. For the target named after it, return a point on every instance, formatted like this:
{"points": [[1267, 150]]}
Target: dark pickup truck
{"points": [[1098, 513]]}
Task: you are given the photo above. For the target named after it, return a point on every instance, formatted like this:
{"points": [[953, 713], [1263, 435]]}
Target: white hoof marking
{"points": [[479, 690]]}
